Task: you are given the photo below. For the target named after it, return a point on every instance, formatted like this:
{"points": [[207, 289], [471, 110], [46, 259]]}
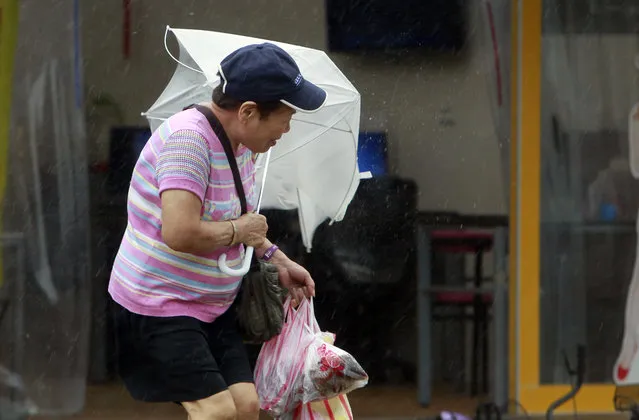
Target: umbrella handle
{"points": [[248, 256], [244, 268]]}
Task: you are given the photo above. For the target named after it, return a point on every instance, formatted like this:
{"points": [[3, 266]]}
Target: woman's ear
{"points": [[247, 111]]}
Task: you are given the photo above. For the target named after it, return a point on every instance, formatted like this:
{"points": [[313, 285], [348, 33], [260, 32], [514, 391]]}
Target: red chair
{"points": [[477, 243]]}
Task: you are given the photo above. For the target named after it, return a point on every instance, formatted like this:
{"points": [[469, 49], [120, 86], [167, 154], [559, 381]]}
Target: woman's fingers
{"points": [[297, 295]]}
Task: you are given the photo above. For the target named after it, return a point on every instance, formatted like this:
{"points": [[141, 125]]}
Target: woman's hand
{"points": [[251, 229], [297, 280]]}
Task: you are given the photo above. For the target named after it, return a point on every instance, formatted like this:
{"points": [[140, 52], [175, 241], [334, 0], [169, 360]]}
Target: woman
{"points": [[175, 320]]}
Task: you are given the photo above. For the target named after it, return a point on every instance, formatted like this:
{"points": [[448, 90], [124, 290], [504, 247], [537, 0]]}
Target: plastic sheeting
{"points": [[45, 328]]}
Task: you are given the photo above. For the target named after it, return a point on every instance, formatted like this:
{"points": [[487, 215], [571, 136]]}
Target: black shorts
{"points": [[178, 359]]}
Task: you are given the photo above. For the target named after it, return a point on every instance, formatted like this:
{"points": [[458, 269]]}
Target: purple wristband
{"points": [[270, 252]]}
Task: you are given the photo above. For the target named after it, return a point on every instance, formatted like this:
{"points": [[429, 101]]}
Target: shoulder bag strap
{"points": [[228, 149]]}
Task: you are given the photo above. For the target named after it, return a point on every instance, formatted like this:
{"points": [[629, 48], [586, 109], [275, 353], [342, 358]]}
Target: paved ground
{"points": [[107, 402], [110, 402]]}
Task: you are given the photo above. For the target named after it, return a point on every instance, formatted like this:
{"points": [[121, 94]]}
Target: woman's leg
{"points": [[229, 350], [167, 359], [216, 407], [247, 405]]}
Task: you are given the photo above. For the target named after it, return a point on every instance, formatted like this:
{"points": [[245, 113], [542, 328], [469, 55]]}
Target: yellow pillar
{"points": [[512, 222], [8, 35]]}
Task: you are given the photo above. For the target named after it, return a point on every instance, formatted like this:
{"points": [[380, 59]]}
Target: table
{"points": [[426, 222]]}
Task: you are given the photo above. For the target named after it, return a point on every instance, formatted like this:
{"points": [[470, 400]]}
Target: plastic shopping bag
{"points": [[301, 365], [280, 365], [330, 371], [336, 408]]}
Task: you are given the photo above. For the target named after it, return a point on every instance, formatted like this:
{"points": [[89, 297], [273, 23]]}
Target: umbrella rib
{"points": [[166, 47], [322, 125], [178, 95], [330, 126], [352, 190]]}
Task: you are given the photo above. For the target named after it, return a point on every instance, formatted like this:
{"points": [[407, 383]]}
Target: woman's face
{"points": [[260, 134]]}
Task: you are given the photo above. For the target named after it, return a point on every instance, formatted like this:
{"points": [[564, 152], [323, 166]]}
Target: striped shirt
{"points": [[148, 277]]}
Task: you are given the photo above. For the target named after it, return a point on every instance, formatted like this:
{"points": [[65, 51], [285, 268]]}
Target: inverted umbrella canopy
{"points": [[313, 168]]}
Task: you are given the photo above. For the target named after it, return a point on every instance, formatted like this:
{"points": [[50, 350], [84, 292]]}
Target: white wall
{"points": [[456, 167]]}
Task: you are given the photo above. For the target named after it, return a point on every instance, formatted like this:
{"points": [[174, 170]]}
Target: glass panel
{"points": [[589, 197]]}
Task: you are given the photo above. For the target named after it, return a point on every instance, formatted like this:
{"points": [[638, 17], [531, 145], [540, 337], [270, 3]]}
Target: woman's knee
{"points": [[248, 409], [247, 403], [216, 407]]}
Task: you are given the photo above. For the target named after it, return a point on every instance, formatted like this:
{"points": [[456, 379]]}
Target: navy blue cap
{"points": [[266, 73]]}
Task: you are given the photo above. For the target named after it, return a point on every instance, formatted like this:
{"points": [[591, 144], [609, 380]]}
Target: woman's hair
{"points": [[231, 104]]}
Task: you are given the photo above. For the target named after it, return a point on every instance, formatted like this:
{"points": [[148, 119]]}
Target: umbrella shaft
{"points": [[267, 160]]}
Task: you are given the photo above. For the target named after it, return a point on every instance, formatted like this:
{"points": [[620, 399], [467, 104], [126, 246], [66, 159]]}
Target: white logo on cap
{"points": [[298, 80]]}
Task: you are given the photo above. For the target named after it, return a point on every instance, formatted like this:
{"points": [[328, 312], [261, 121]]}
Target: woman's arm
{"points": [[183, 231], [278, 258], [182, 170], [293, 276]]}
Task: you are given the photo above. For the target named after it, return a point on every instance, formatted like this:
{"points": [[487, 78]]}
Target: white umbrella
{"points": [[314, 166]]}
